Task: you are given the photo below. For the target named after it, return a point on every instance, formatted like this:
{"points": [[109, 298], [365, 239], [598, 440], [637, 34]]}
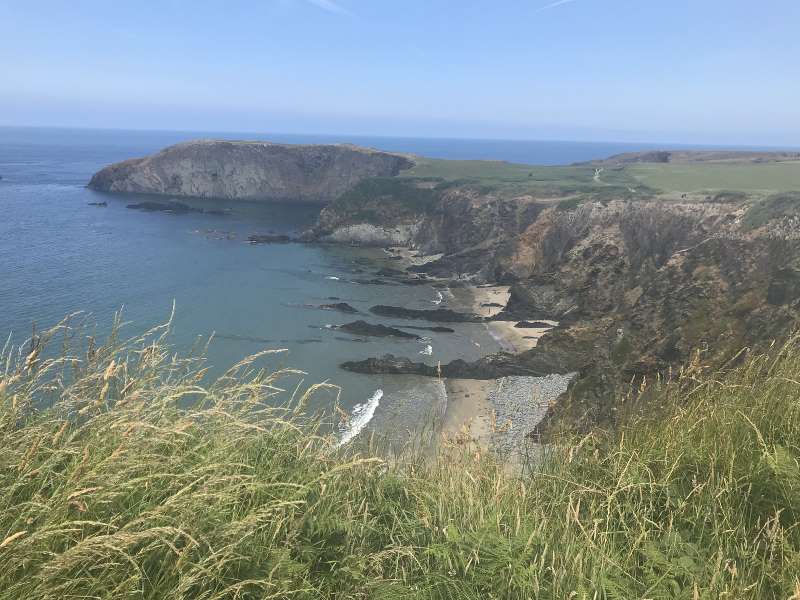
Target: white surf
{"points": [[362, 414]]}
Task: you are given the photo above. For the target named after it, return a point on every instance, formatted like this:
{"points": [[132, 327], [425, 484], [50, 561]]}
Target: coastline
{"points": [[496, 414]]}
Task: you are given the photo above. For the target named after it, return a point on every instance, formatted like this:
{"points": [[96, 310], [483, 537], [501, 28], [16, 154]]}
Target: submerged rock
{"points": [[173, 207], [340, 306], [269, 238]]}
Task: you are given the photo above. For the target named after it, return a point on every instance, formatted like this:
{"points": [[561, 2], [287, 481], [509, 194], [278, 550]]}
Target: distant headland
{"points": [[239, 170]]}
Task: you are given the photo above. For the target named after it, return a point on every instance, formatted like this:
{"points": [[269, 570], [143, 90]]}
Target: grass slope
{"points": [[143, 482]]}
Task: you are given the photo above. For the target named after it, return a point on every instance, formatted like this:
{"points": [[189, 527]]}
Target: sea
{"points": [[60, 255]]}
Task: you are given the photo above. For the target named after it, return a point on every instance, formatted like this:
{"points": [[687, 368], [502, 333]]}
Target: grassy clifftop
{"points": [[142, 481], [620, 180]]}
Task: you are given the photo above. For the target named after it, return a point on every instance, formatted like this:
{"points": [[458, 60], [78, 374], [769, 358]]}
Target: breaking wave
{"points": [[362, 414]]}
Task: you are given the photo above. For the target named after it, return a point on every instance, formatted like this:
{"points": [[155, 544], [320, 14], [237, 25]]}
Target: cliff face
{"points": [[250, 171], [637, 285]]}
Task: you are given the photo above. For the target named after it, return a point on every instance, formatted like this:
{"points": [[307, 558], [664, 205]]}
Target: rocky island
{"points": [[236, 170]]}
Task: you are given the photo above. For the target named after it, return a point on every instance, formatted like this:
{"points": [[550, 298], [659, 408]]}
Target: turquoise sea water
{"points": [[58, 255]]}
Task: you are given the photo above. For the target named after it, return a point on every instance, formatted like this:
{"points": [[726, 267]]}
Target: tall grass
{"points": [[124, 474]]}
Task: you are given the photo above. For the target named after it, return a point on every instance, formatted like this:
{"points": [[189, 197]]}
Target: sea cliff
{"points": [[637, 282]]}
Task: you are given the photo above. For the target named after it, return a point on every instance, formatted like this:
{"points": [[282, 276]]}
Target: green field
{"points": [[645, 178], [518, 178], [768, 177]]}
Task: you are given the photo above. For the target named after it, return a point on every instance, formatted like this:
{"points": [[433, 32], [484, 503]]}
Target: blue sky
{"points": [[694, 71]]}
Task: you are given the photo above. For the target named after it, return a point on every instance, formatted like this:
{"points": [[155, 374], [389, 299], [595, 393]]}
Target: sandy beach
{"points": [[468, 417], [496, 414], [488, 301], [493, 414]]}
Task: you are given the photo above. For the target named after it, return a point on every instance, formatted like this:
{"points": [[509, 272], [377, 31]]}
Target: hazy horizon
{"points": [[713, 74], [265, 135]]}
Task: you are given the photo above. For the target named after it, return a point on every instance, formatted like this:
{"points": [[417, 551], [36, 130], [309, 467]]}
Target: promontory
{"points": [[239, 170]]}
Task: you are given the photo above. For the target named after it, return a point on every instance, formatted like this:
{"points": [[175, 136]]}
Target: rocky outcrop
{"points": [[372, 330], [638, 286], [250, 171], [438, 315], [343, 307]]}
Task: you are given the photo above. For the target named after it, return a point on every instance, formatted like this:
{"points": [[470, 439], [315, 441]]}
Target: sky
{"points": [[683, 71]]}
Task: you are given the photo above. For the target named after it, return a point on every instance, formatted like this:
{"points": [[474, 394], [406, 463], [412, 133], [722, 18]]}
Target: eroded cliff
{"points": [[637, 285]]}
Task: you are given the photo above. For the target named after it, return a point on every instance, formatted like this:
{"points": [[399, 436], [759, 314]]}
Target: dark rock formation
{"points": [[441, 315], [369, 329], [532, 363], [636, 285], [340, 306], [250, 171], [531, 324]]}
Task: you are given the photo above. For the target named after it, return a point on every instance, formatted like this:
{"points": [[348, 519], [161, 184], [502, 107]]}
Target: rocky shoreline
{"points": [[499, 414], [634, 280], [496, 413]]}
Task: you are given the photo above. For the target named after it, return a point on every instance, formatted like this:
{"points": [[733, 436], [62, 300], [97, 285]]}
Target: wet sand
{"points": [[468, 417]]}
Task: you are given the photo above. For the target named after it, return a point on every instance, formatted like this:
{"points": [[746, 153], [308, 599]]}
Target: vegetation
{"points": [[772, 207], [511, 178], [373, 198], [124, 475], [721, 181], [745, 177]]}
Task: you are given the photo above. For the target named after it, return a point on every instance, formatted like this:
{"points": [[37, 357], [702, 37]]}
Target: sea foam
{"points": [[362, 414]]}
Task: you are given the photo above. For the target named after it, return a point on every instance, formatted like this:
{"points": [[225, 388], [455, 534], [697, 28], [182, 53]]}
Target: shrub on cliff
{"points": [[380, 198], [776, 206], [123, 474]]}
